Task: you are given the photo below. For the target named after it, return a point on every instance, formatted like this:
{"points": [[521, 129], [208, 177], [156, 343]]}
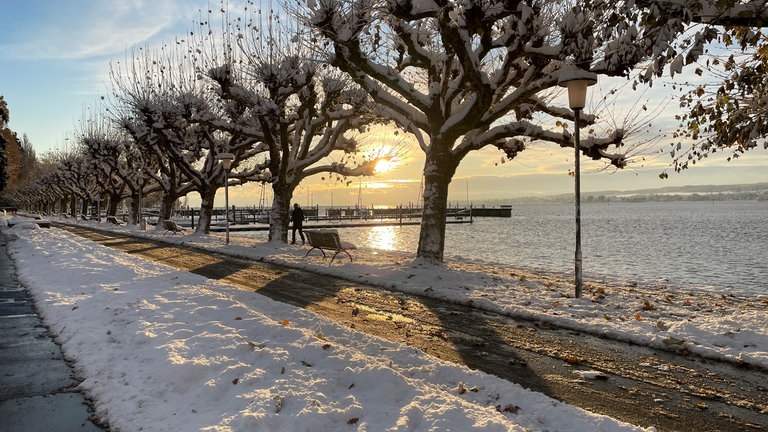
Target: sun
{"points": [[384, 165]]}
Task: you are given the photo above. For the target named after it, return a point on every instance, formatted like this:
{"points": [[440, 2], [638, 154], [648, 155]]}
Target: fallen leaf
{"points": [[512, 409], [571, 359]]}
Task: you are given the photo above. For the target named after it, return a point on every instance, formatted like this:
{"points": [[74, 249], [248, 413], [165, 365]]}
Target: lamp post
{"points": [[226, 161], [577, 81]]}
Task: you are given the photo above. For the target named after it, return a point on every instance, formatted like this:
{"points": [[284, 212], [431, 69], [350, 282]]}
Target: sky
{"points": [[54, 65], [166, 350]]}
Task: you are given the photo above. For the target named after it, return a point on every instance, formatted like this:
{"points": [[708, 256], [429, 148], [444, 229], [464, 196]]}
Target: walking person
{"points": [[297, 217]]}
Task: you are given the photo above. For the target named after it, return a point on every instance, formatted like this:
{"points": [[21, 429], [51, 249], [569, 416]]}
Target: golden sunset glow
{"points": [[377, 185], [385, 165], [382, 237]]}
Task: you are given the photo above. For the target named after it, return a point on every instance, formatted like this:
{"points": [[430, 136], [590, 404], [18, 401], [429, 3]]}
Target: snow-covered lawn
{"points": [[166, 350]]}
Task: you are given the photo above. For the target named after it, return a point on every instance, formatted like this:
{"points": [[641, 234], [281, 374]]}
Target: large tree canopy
{"points": [[301, 111], [465, 75], [726, 109]]}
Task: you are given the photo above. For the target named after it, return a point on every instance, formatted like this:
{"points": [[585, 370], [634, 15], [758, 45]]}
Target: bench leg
{"points": [[313, 248], [340, 251]]}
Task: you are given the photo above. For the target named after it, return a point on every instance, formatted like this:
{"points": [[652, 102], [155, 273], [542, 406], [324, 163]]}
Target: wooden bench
{"points": [[326, 240], [114, 221], [171, 227]]}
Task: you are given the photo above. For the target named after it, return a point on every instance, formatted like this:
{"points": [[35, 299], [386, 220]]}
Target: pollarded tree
{"points": [[40, 191], [115, 160], [462, 75], [299, 108], [170, 111], [43, 194], [76, 175], [160, 174]]}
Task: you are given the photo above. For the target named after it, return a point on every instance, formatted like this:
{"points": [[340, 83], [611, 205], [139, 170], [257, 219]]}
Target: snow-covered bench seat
{"points": [[171, 227], [327, 240], [114, 220]]}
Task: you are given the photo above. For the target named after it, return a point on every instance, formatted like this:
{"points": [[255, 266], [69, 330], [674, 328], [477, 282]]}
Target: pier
{"points": [[330, 225], [255, 219]]}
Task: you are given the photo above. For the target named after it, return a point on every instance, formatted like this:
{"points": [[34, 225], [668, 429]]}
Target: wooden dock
{"points": [[339, 225], [251, 219]]}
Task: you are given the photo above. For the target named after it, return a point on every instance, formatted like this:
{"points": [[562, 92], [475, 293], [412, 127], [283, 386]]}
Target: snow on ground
{"points": [[166, 350]]}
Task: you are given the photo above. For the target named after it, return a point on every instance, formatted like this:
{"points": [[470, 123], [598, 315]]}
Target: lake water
{"points": [[721, 245]]}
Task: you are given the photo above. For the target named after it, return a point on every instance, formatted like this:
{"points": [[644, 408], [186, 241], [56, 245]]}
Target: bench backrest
{"points": [[328, 239], [170, 225]]}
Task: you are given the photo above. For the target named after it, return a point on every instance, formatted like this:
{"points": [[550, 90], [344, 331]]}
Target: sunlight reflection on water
{"points": [[382, 237]]}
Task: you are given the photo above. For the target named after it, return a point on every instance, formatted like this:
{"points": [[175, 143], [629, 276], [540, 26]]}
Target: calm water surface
{"points": [[713, 245]]}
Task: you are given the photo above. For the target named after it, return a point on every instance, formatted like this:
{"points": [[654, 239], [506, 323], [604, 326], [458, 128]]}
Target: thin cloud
{"points": [[87, 29]]}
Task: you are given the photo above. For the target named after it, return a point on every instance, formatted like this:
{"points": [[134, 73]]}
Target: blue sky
{"points": [[54, 56], [54, 63]]}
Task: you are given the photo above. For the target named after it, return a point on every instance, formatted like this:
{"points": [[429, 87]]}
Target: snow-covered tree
{"points": [[115, 158], [463, 75], [76, 176], [300, 109], [41, 191], [169, 110]]}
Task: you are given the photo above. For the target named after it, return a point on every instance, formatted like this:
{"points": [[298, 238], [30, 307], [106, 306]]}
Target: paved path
{"points": [[38, 389]]}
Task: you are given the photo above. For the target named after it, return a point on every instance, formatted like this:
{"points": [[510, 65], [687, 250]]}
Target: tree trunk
{"points": [[135, 217], [84, 204], [280, 214], [114, 202], [166, 208], [439, 169], [206, 210]]}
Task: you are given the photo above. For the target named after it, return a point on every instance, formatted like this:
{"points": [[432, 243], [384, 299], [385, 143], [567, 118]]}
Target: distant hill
{"points": [[751, 192]]}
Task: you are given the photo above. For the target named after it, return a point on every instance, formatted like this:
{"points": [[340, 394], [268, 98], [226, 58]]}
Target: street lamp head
{"points": [[226, 159], [577, 80]]}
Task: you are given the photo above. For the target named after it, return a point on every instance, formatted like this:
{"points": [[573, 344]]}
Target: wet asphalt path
{"points": [[647, 387], [38, 388]]}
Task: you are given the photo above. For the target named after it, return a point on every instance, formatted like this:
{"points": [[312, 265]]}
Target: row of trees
{"points": [[244, 91], [290, 98]]}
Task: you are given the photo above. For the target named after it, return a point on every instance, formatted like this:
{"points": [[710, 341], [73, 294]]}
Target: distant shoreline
{"points": [[735, 192]]}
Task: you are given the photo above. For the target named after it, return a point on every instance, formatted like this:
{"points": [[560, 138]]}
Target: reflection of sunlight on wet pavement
{"points": [[382, 237]]}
